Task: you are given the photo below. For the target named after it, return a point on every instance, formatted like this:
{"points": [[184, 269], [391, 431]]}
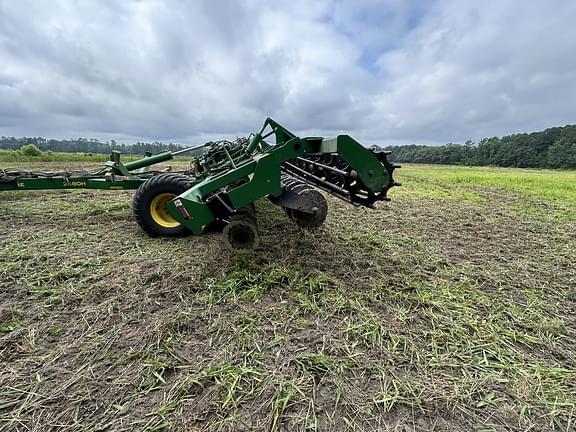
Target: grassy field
{"points": [[450, 308], [11, 157], [16, 158]]}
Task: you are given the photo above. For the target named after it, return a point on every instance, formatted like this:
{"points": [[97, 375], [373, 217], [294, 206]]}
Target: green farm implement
{"points": [[226, 178]]}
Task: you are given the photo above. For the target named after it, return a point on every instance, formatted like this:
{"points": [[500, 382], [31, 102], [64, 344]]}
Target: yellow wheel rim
{"points": [[159, 213]]}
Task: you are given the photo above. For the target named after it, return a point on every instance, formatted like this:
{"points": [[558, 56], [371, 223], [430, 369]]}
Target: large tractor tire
{"points": [[149, 205]]}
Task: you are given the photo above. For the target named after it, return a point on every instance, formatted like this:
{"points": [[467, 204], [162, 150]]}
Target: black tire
{"points": [[151, 216]]}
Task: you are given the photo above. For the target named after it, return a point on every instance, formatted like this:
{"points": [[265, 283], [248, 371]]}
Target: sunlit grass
{"points": [[547, 185]]}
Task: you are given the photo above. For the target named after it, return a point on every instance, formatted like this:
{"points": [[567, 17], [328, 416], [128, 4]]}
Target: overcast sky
{"points": [[385, 71]]}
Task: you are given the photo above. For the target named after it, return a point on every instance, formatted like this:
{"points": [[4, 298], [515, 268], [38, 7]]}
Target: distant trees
{"points": [[562, 154], [552, 148], [84, 145]]}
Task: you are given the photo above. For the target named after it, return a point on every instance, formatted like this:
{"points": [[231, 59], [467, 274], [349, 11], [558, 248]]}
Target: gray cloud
{"points": [[386, 71]]}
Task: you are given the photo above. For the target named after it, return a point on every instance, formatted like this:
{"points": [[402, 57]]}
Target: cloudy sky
{"points": [[385, 71]]}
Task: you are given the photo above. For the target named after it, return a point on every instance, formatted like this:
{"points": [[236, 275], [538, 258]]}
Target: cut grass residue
{"points": [[246, 281], [491, 338], [447, 309]]}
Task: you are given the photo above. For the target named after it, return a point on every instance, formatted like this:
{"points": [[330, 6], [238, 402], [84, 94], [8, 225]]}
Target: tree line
{"points": [[83, 145], [552, 148]]}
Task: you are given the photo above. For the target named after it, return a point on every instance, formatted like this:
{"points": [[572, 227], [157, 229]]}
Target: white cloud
{"points": [[474, 70], [385, 71]]}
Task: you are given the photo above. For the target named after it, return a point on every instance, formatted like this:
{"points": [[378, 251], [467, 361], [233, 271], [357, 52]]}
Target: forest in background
{"points": [[552, 148], [84, 145]]}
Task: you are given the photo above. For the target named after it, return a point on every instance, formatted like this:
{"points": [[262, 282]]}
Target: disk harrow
{"points": [[226, 178]]}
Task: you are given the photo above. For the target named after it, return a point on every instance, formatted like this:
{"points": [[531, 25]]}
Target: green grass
{"points": [[538, 193], [9, 325], [547, 185], [450, 308], [14, 156]]}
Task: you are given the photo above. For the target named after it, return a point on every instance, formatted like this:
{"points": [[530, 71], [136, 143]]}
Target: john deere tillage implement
{"points": [[227, 177]]}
